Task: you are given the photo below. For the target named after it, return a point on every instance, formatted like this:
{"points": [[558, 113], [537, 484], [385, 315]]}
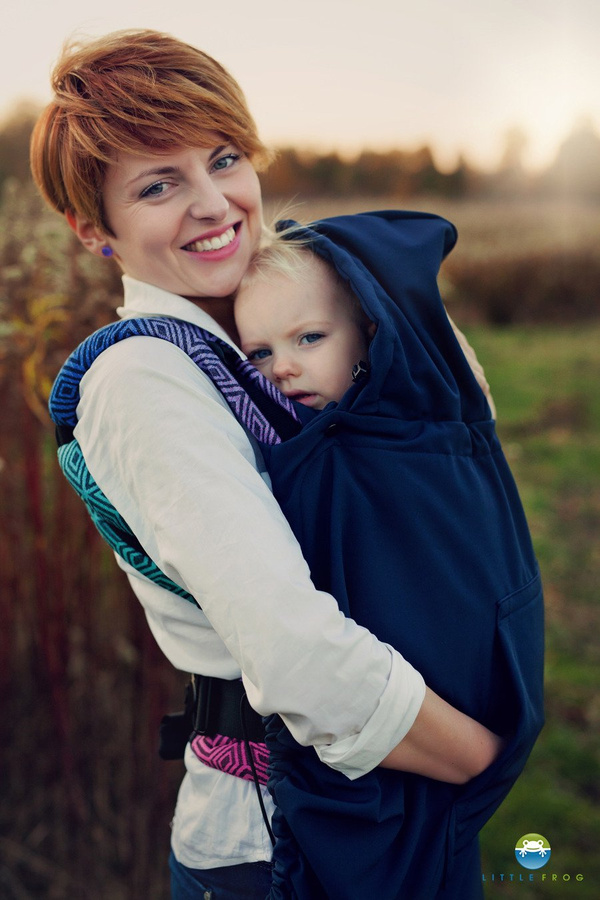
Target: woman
{"points": [[149, 151]]}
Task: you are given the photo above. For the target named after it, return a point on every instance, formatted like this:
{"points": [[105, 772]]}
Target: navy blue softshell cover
{"points": [[407, 512]]}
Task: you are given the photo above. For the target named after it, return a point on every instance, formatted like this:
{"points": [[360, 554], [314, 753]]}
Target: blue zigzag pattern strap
{"points": [[255, 402]]}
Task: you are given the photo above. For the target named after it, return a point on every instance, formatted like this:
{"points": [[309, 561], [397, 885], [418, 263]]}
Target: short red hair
{"points": [[131, 91]]}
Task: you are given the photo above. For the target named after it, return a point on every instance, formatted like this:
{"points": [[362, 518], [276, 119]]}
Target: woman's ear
{"points": [[92, 237]]}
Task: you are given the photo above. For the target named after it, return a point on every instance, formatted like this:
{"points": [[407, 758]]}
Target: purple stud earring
{"points": [[107, 251]]}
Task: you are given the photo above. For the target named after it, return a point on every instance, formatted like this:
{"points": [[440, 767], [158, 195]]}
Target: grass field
{"points": [[544, 383], [85, 802]]}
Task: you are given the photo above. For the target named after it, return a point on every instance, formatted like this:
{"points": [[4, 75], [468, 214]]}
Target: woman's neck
{"points": [[221, 310]]}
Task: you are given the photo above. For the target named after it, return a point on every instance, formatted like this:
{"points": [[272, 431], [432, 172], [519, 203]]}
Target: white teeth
{"points": [[214, 243]]}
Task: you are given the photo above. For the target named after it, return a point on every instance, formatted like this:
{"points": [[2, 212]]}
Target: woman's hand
{"points": [[444, 744]]}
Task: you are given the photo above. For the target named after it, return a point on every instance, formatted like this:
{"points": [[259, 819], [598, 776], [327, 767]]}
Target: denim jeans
{"points": [[248, 881]]}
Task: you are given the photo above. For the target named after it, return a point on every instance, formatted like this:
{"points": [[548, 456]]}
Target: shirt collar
{"points": [[143, 299]]}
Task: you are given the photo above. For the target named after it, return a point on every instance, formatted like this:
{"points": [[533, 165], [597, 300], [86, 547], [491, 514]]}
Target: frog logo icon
{"points": [[532, 851]]}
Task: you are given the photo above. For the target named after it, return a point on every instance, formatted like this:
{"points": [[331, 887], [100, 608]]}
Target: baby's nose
{"points": [[284, 365]]}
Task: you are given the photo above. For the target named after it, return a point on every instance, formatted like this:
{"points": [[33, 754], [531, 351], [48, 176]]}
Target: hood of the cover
{"points": [[391, 260]]}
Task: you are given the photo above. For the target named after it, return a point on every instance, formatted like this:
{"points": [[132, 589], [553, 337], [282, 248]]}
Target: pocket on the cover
{"points": [[520, 641]]}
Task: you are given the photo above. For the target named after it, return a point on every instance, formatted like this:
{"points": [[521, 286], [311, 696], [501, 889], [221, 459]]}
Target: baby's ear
{"points": [[371, 329], [92, 237]]}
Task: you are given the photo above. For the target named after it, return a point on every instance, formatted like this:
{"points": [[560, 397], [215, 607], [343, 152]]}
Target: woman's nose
{"points": [[207, 201]]}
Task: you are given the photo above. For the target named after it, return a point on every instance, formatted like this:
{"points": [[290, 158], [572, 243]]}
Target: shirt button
{"points": [[332, 429]]}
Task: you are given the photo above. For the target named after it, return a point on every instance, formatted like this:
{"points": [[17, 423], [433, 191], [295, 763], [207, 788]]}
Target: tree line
{"points": [[574, 172]]}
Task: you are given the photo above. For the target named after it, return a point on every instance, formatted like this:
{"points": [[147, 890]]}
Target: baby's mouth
{"points": [[214, 243], [301, 396]]}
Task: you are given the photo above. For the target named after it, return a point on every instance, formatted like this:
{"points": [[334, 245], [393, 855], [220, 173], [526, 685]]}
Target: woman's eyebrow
{"points": [[158, 170], [172, 170], [217, 151]]}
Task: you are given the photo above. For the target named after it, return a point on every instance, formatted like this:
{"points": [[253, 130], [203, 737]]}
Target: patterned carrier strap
{"points": [[258, 406], [249, 394]]}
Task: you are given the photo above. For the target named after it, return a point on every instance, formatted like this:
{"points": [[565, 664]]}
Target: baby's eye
{"points": [[261, 353], [155, 190], [311, 338]]}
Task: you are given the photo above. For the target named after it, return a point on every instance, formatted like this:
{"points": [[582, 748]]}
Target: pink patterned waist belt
{"points": [[232, 756], [228, 734]]}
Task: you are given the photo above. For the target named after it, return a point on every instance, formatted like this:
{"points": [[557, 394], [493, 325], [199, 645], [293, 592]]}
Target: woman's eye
{"points": [[155, 190], [224, 162], [257, 355], [311, 338]]}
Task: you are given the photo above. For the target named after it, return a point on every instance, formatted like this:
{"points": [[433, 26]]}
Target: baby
{"points": [[301, 325]]}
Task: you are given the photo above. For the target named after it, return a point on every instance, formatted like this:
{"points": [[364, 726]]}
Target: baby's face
{"points": [[303, 335]]}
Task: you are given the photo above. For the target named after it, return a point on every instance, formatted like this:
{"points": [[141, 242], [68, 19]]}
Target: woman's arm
{"points": [[444, 744], [165, 449], [476, 366]]}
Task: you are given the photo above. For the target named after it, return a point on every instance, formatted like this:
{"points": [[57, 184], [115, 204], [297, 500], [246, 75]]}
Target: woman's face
{"points": [[186, 221]]}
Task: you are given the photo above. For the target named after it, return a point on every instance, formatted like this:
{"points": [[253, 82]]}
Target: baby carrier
{"points": [[217, 718], [258, 406], [406, 511]]}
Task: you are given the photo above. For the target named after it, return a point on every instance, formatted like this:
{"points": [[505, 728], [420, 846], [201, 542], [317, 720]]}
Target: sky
{"points": [[352, 74]]}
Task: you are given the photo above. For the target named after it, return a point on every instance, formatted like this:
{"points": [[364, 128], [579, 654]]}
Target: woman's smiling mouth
{"points": [[212, 243]]}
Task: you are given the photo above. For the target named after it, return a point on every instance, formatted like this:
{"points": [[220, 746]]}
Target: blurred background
{"points": [[488, 114]]}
